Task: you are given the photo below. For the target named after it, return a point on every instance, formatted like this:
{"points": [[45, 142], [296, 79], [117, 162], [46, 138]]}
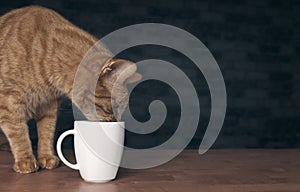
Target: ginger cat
{"points": [[40, 52]]}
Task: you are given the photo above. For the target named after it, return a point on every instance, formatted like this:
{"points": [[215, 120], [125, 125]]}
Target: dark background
{"points": [[255, 42]]}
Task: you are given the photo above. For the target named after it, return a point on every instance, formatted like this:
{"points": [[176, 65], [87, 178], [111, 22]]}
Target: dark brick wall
{"points": [[255, 42]]}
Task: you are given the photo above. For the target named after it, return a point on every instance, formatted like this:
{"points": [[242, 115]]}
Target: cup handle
{"points": [[59, 152]]}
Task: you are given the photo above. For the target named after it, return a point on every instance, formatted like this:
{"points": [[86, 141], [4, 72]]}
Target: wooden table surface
{"points": [[217, 171]]}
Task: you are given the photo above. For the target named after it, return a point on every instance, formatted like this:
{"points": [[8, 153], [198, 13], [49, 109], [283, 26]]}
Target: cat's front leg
{"points": [[16, 131], [46, 129]]}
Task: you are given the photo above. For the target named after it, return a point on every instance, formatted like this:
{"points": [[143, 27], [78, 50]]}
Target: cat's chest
{"points": [[38, 102]]}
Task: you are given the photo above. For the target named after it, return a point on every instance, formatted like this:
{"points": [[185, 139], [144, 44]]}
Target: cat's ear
{"points": [[120, 70], [134, 78]]}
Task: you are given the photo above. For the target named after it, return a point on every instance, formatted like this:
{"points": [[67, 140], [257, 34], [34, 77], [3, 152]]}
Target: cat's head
{"points": [[111, 94]]}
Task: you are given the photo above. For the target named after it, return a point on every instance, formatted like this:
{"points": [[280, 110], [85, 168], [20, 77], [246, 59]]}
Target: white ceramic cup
{"points": [[98, 149]]}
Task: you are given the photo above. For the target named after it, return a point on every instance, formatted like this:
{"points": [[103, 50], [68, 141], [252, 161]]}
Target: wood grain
{"points": [[217, 170]]}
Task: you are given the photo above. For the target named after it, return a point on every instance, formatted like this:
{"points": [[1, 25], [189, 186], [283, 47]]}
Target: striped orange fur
{"points": [[40, 52]]}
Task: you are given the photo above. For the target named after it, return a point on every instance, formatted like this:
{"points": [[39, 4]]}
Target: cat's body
{"points": [[39, 55]]}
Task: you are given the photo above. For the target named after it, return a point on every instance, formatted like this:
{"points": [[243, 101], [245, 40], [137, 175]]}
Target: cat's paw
{"points": [[49, 161], [27, 165]]}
